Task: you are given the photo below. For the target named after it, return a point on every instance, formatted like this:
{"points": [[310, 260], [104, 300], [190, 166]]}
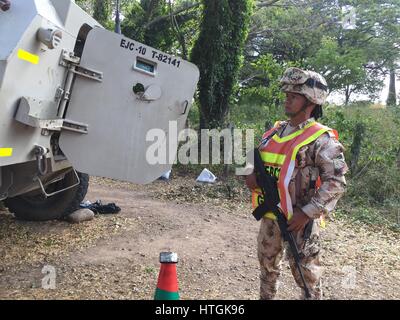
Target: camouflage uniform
{"points": [[324, 158]]}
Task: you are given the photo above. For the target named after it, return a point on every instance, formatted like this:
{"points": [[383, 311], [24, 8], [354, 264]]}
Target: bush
{"points": [[374, 184]]}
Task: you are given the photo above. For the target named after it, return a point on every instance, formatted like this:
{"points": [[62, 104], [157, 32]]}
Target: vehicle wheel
{"points": [[34, 206]]}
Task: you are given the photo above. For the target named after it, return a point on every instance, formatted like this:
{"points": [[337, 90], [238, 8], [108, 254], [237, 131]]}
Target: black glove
{"points": [[100, 208]]}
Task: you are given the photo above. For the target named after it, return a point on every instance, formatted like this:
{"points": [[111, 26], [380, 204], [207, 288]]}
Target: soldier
{"points": [[308, 162], [5, 5]]}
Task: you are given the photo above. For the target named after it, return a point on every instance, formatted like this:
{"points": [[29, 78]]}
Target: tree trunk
{"points": [[391, 100], [347, 93]]}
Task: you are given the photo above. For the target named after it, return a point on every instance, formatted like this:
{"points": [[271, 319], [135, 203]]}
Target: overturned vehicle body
{"points": [[78, 100]]}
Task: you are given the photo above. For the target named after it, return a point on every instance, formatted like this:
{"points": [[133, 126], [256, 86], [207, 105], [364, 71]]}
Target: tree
{"points": [[311, 34], [377, 34], [85, 5], [162, 24], [102, 11], [289, 31], [344, 69], [218, 54]]}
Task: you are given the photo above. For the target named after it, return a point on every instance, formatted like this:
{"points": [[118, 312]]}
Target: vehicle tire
{"points": [[34, 206]]}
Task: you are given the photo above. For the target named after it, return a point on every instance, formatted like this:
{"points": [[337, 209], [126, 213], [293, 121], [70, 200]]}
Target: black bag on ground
{"points": [[99, 208]]}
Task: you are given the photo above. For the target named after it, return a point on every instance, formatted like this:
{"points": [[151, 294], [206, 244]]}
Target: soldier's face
{"points": [[294, 103]]}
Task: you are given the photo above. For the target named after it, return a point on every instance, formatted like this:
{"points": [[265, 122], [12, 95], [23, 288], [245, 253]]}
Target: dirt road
{"points": [[116, 256]]}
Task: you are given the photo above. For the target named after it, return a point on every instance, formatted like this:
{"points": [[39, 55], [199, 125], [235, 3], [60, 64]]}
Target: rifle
{"points": [[268, 186]]}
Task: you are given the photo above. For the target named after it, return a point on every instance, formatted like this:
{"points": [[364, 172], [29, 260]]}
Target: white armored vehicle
{"points": [[78, 100]]}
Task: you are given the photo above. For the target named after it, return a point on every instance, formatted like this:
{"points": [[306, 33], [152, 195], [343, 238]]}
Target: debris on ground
{"points": [[206, 176], [165, 176], [99, 208]]}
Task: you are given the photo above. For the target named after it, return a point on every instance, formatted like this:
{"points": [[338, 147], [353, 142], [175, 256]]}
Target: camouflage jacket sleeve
{"points": [[329, 159]]}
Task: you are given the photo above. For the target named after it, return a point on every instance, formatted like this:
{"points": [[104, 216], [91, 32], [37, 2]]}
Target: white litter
{"points": [[206, 176], [166, 175]]}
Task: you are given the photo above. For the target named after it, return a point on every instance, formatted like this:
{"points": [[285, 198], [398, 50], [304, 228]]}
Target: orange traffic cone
{"points": [[167, 285]]}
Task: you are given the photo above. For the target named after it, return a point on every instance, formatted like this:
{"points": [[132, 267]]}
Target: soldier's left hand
{"points": [[298, 221]]}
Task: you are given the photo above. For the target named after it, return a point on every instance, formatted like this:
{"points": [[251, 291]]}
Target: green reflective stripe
{"points": [[307, 141], [294, 134], [165, 295], [274, 158]]}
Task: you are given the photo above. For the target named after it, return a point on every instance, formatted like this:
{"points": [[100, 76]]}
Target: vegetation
{"points": [[224, 22], [242, 48]]}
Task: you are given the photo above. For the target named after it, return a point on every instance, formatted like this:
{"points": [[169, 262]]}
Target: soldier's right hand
{"points": [[251, 181]]}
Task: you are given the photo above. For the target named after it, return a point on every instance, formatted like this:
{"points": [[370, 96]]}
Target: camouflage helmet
{"points": [[308, 83]]}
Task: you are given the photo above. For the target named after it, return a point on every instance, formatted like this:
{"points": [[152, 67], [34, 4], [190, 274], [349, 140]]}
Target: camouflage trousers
{"points": [[271, 248]]}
